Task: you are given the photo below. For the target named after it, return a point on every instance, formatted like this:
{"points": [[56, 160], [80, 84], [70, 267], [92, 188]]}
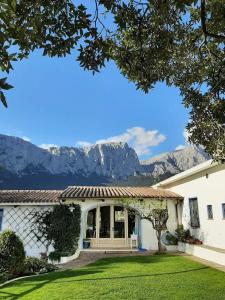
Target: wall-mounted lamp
{"points": [[83, 200], [103, 200], [71, 208], [206, 175]]}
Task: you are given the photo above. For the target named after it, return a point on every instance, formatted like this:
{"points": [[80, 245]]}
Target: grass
{"points": [[137, 277]]}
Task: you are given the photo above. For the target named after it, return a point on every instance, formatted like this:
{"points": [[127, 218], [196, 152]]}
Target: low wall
{"points": [[66, 259], [204, 252]]}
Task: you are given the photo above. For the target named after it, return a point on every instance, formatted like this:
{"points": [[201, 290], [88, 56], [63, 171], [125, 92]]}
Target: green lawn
{"points": [[138, 277]]}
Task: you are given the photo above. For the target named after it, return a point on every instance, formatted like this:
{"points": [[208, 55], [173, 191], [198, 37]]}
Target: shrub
{"points": [[171, 239], [182, 234], [55, 256], [12, 254], [34, 265]]}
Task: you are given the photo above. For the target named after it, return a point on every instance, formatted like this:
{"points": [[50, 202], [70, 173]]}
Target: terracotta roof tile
{"points": [[116, 192], [29, 196], [81, 192]]}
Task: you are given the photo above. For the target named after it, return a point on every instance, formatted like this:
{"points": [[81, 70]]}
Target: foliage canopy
{"points": [[177, 42]]}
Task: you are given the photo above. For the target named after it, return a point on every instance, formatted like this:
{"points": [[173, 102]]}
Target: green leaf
{"points": [[3, 99], [7, 86]]}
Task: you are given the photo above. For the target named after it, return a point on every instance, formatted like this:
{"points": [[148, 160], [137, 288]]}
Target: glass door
{"points": [[104, 222], [119, 222]]}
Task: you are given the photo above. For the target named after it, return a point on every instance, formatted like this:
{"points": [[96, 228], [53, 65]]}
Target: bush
{"points": [[12, 254], [171, 239], [34, 265], [56, 255], [182, 234]]}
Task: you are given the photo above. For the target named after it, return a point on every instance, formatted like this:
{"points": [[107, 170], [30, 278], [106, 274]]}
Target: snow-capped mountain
{"points": [[24, 165]]}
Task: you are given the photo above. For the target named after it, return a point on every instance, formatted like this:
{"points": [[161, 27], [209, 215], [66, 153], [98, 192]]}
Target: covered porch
{"points": [[109, 224], [112, 226]]}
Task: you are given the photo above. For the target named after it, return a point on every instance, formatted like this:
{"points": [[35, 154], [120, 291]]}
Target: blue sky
{"points": [[55, 102]]}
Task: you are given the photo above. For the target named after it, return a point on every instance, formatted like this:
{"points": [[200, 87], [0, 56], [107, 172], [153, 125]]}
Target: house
{"points": [[105, 217], [203, 209], [195, 198]]}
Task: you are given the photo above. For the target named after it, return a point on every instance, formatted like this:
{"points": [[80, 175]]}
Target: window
{"points": [[223, 210], [194, 215], [1, 218], [210, 211]]}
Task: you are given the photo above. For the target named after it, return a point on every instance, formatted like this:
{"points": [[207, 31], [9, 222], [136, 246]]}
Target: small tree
{"points": [[158, 217], [155, 212]]}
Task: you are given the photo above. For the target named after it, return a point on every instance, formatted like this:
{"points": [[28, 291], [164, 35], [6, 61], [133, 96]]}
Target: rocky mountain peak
{"points": [[24, 165]]}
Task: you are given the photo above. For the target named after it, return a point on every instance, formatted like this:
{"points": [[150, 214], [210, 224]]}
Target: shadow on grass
{"points": [[134, 276], [44, 279], [97, 267], [66, 274]]}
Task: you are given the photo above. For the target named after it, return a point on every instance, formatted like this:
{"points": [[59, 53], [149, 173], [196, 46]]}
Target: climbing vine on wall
{"points": [[59, 227]]}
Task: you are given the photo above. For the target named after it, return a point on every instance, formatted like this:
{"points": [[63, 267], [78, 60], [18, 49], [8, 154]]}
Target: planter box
{"points": [[181, 246], [65, 259], [86, 244]]}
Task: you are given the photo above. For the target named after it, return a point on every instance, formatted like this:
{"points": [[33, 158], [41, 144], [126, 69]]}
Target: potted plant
{"points": [[86, 243]]}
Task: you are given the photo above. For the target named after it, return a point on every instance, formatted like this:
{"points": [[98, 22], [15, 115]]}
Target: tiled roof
{"points": [[29, 196], [116, 192], [81, 192]]}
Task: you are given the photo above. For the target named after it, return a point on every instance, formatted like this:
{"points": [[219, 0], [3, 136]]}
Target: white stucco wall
{"points": [[208, 191], [148, 234], [18, 219]]}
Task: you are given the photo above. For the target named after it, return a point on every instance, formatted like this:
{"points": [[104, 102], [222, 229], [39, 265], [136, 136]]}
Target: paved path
{"points": [[86, 258]]}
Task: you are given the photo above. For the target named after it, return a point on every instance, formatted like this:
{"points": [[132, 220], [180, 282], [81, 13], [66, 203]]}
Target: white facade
{"points": [[19, 219], [206, 183]]}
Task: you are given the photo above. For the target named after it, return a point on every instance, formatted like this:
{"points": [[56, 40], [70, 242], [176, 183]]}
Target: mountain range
{"points": [[24, 165]]}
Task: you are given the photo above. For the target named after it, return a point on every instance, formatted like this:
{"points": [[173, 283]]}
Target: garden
{"points": [[58, 228]]}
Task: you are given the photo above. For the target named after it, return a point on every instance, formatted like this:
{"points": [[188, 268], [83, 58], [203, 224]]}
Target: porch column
{"points": [[126, 226], [97, 224]]}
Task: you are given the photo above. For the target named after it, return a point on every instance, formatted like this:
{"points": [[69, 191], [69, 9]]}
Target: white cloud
{"points": [[137, 137], [186, 135], [186, 141], [180, 147], [82, 144], [47, 146], [25, 138]]}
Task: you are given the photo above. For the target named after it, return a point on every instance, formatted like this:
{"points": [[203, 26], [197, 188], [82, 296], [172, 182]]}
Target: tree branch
{"points": [[203, 23]]}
